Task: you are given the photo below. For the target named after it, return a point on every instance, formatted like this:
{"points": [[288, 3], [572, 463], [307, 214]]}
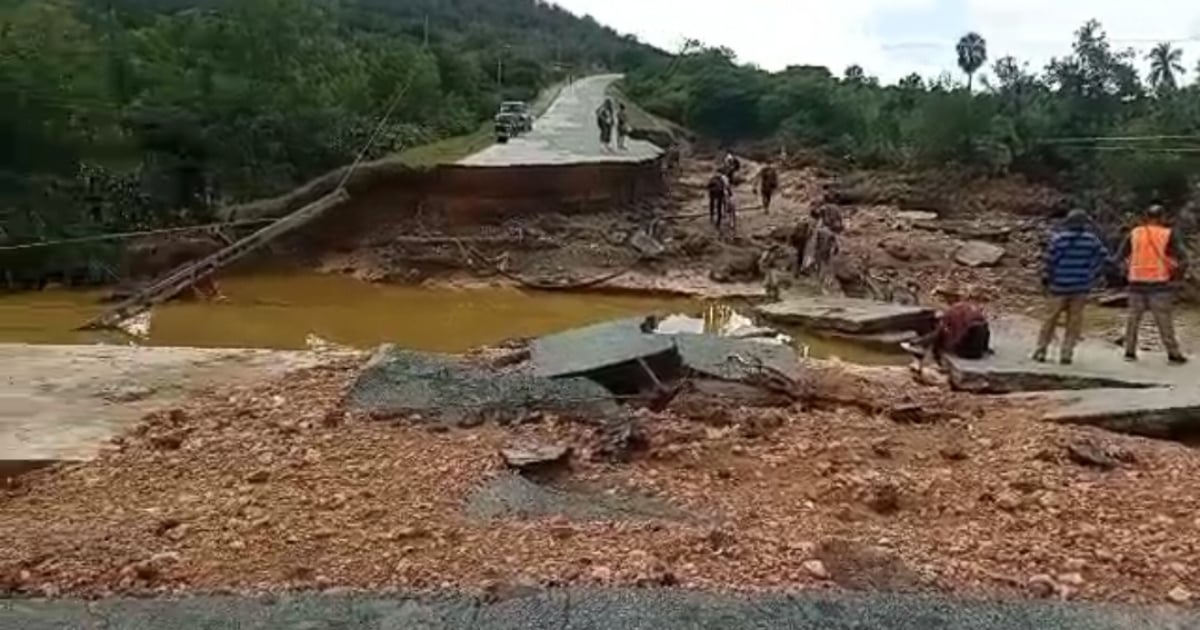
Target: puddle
{"points": [[727, 320], [281, 311]]}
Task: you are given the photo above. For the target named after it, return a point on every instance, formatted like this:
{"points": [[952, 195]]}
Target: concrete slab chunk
{"points": [[583, 350], [733, 359], [848, 315], [1097, 365], [439, 387], [1168, 413]]}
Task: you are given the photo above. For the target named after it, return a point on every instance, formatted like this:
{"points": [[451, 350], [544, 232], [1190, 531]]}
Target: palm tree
{"points": [[972, 54], [1166, 61]]}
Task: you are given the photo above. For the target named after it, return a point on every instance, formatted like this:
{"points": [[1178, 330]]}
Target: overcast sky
{"points": [[892, 38]]}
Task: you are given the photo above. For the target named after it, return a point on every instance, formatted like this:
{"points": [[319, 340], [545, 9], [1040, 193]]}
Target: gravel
{"points": [[276, 488]]}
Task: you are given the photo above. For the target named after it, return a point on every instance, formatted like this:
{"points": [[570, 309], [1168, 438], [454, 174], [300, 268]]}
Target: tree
{"points": [[972, 54], [854, 74], [912, 82], [1166, 62]]}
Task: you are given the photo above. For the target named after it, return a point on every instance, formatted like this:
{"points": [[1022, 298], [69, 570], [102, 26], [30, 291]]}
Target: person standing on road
{"points": [[1155, 257], [768, 183], [622, 126], [604, 120], [1074, 261]]}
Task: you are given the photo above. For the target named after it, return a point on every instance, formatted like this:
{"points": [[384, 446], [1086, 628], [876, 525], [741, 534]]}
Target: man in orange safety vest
{"points": [[1155, 257]]}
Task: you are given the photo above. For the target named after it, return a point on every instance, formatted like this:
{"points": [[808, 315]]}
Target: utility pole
{"points": [[426, 39], [500, 65]]}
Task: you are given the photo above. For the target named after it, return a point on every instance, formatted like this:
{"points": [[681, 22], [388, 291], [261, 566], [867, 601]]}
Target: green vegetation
{"points": [[1017, 122], [134, 114]]}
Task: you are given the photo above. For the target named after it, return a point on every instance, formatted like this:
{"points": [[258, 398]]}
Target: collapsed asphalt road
{"points": [[582, 610]]}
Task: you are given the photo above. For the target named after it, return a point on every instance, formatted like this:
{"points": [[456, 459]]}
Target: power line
{"points": [[1164, 150], [949, 44], [117, 236], [412, 71], [1084, 139]]}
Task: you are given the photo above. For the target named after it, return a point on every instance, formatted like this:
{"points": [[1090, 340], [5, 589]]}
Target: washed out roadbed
{"points": [[278, 487]]}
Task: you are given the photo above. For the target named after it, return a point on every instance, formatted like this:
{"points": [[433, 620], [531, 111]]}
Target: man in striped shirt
{"points": [[1074, 261]]}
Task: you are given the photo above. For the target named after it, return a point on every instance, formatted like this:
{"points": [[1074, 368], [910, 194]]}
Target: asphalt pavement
{"points": [[566, 134], [643, 609]]}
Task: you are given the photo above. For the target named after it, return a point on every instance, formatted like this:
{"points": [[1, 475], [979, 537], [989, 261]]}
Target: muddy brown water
{"points": [[283, 311]]}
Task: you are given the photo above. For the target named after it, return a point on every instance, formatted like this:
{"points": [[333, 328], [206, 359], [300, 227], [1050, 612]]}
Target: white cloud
{"points": [[891, 38]]}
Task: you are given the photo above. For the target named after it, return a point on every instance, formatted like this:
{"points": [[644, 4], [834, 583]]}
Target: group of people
{"points": [[722, 212], [611, 117], [1152, 258]]}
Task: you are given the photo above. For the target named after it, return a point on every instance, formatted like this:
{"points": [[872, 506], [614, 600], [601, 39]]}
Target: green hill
{"points": [[125, 114]]}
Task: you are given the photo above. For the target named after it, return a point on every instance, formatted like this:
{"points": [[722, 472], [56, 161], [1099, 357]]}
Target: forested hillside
{"points": [[1086, 121], [126, 114]]}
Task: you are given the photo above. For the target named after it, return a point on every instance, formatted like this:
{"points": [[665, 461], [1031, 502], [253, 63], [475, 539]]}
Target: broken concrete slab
{"points": [[582, 350], [1002, 376], [444, 389], [1162, 412], [734, 359], [616, 354], [1097, 365], [849, 315], [1147, 398], [979, 254]]}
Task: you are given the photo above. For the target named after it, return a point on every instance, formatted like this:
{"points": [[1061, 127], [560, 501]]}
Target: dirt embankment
{"points": [[904, 234], [279, 487]]}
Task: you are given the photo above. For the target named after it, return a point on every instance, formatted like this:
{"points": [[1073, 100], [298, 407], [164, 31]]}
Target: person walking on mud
{"points": [[622, 126], [1074, 262], [768, 183], [604, 120], [1155, 258]]}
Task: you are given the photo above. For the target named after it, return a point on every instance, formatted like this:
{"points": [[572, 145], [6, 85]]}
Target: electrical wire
{"points": [[1147, 138], [117, 236]]}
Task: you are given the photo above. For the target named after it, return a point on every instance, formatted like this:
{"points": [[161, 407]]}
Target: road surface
{"points": [[566, 134], [645, 609], [63, 403]]}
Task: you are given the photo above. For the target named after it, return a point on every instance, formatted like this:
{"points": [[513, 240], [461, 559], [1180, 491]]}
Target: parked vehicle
{"points": [[513, 119]]}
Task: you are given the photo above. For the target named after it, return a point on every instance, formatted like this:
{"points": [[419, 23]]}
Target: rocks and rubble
{"points": [[260, 493], [437, 388], [979, 254]]}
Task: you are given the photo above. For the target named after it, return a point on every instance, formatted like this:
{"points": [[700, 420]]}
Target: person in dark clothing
{"points": [[768, 183], [1155, 259], [718, 195], [1073, 263], [962, 330], [605, 118]]}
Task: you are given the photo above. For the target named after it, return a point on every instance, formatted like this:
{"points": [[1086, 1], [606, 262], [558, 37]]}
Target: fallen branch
{"points": [[469, 253]]}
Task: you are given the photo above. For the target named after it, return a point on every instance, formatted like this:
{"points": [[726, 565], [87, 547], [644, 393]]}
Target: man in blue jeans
{"points": [[1073, 262]]}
